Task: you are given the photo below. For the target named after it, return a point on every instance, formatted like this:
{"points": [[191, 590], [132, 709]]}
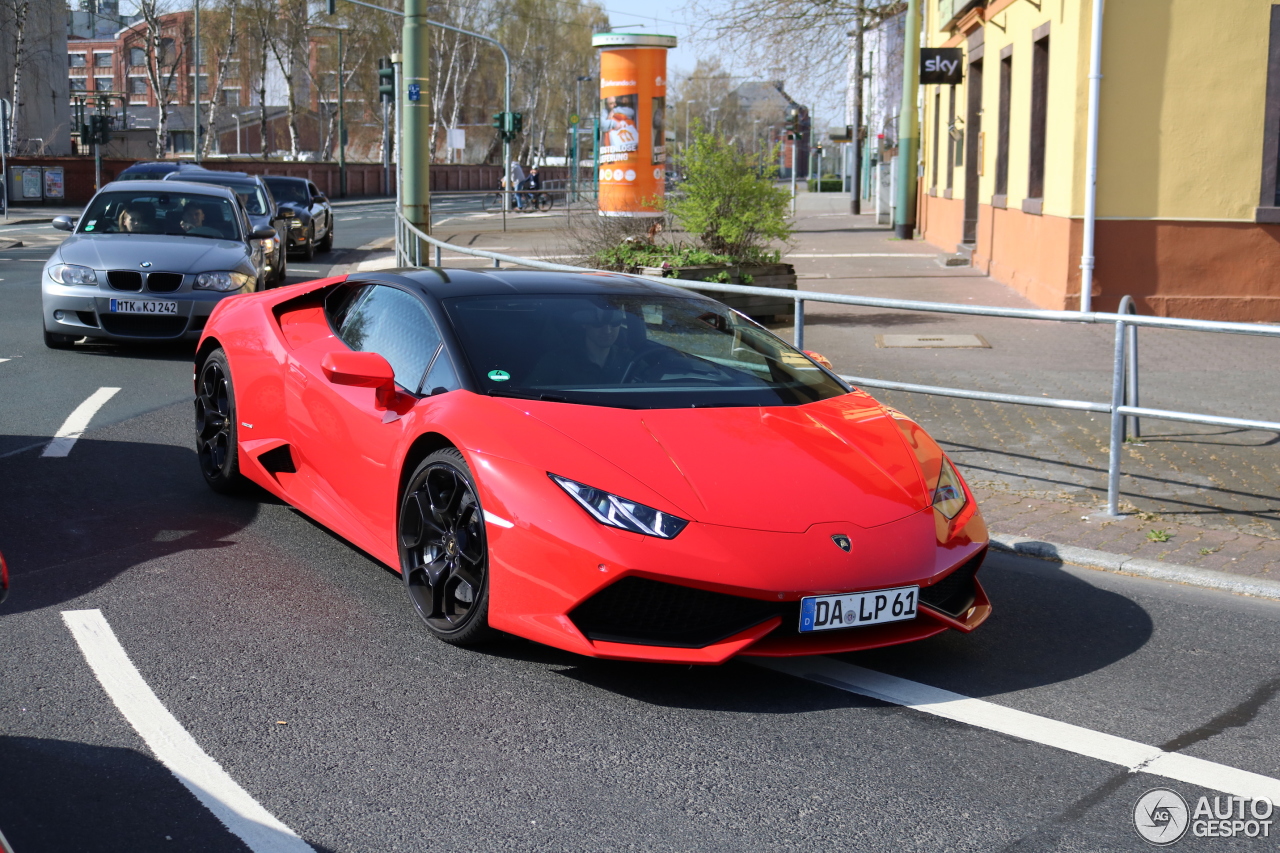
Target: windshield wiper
{"points": [[528, 395]]}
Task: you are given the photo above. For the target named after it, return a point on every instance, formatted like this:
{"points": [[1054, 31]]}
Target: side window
{"points": [[441, 375], [311, 188], [395, 325]]}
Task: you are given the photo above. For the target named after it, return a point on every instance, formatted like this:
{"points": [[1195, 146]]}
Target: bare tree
{"points": [[291, 50], [261, 24], [163, 53], [806, 32], [17, 11], [222, 28]]}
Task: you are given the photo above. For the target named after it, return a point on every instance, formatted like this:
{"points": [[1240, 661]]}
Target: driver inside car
{"points": [[598, 356]]}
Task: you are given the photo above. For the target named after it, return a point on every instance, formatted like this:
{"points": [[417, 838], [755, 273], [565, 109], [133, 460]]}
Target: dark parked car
{"points": [[155, 170], [311, 223], [261, 206]]}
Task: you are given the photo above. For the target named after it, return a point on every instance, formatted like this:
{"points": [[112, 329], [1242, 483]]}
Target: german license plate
{"points": [[851, 610], [143, 306]]}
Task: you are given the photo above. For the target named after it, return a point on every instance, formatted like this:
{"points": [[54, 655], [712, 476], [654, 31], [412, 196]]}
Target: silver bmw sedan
{"points": [[148, 260]]}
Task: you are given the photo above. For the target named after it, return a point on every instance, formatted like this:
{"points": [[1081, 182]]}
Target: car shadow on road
{"points": [[166, 351], [1047, 627], [72, 525], [65, 795]]}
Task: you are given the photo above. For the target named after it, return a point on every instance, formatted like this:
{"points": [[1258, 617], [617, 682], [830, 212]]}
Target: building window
{"points": [[137, 57], [204, 84], [102, 84], [137, 85], [231, 97], [168, 52], [1269, 203], [1002, 126], [953, 147], [76, 60], [102, 60], [937, 128], [181, 141], [1039, 119], [78, 84]]}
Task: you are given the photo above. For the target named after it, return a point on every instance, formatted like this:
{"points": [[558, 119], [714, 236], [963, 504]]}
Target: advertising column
{"points": [[633, 128]]}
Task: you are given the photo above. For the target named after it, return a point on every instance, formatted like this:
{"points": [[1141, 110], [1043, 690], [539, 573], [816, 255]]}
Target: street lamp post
{"points": [[686, 121], [195, 82]]}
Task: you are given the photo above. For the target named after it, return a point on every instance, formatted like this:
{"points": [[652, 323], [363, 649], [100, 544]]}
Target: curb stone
{"points": [[1107, 562]]}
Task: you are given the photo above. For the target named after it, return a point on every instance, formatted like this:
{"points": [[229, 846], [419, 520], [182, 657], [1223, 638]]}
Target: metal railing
{"points": [[1123, 405]]}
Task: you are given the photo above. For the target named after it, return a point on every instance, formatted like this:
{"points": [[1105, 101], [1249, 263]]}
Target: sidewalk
{"points": [[1197, 496]]}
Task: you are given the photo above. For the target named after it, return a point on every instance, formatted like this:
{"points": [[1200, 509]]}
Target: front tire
{"points": [[444, 552], [309, 250], [216, 433], [326, 245], [55, 341]]}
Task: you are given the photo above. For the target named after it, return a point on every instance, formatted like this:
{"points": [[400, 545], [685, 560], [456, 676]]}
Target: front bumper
{"points": [[559, 578], [82, 310]]}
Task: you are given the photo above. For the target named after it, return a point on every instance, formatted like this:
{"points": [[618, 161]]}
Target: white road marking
{"points": [[1136, 757], [497, 519], [867, 255], [3, 360], [238, 811], [77, 422]]}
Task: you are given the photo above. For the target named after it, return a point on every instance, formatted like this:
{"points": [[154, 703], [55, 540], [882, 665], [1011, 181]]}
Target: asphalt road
{"points": [[296, 663]]}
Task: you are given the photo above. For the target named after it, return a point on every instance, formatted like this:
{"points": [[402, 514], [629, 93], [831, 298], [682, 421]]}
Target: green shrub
{"points": [[829, 185], [728, 199]]}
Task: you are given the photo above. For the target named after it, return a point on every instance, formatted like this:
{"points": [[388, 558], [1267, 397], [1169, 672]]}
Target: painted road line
{"points": [[867, 255], [1132, 755], [3, 360], [77, 422], [238, 811]]}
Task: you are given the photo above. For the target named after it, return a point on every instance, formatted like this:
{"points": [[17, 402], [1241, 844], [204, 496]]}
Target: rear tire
{"points": [[55, 341], [444, 551], [216, 427]]}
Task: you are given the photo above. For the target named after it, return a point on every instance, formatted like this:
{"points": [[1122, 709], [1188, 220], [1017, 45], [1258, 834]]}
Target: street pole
{"points": [[794, 151], [4, 157], [415, 123], [686, 122], [908, 127], [195, 83]]}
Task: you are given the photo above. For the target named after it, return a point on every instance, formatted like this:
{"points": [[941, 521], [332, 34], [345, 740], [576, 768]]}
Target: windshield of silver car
{"points": [[631, 351], [178, 214]]}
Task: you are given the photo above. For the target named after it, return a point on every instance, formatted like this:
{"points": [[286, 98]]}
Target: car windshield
{"points": [[179, 214], [251, 194], [640, 352], [294, 192]]}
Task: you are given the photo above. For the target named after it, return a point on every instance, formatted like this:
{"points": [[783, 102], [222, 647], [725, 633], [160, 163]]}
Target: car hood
{"points": [[170, 253], [303, 211], [778, 468]]}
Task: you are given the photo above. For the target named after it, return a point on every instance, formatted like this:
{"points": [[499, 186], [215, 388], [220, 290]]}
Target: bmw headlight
{"points": [[72, 274], [620, 512], [223, 282], [948, 496]]}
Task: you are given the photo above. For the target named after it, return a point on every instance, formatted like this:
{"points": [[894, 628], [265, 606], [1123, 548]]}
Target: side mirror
{"points": [[262, 234], [361, 370], [64, 223], [820, 358], [318, 199], [288, 212]]}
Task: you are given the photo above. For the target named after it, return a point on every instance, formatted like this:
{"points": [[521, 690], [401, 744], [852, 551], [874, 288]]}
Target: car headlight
{"points": [[223, 282], [269, 244], [295, 224], [948, 496], [72, 274], [620, 512]]}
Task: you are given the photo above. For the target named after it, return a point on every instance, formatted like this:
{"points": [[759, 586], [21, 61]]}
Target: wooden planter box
{"points": [[762, 309]]}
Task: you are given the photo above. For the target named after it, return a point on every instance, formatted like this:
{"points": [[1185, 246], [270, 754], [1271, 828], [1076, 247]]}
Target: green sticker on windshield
{"points": [[88, 228], [499, 375]]}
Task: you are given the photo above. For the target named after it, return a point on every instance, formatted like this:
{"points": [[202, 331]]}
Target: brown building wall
{"points": [[1203, 270]]}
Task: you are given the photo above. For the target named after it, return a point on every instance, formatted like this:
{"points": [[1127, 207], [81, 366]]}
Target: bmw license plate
{"points": [[143, 306], [850, 610]]}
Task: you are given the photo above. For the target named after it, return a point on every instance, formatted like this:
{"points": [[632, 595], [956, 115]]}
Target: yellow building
{"points": [[1188, 213]]}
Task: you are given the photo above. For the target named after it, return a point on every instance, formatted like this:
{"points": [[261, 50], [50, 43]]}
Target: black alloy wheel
{"points": [[216, 425], [444, 555]]}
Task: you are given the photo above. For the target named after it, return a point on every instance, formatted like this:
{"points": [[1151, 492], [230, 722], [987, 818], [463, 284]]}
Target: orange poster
{"points": [[632, 121]]}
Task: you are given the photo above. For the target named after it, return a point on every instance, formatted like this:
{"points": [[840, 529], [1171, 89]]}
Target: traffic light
{"points": [[96, 131], [386, 79], [793, 121], [499, 122], [508, 125], [517, 123]]}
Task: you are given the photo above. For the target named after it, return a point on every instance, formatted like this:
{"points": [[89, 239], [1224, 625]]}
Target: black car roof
{"points": [[284, 178], [443, 283]]}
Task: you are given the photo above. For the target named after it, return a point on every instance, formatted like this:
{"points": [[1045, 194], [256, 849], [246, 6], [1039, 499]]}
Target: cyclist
{"points": [[533, 183]]}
